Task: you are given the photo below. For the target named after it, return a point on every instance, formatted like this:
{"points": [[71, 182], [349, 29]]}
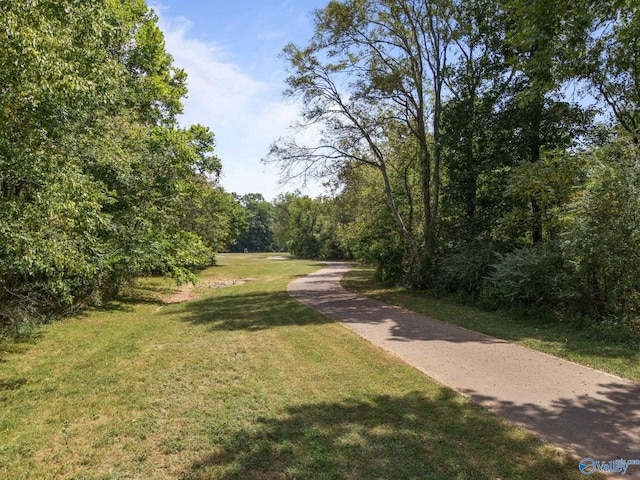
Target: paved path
{"points": [[583, 411]]}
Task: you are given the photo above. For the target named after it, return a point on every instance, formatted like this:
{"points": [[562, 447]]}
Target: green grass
{"points": [[562, 339], [240, 383]]}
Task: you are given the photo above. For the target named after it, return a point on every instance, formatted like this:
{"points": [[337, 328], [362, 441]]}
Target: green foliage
{"points": [[181, 254], [215, 216], [368, 231], [529, 277], [552, 182], [464, 269], [57, 72], [603, 239], [256, 233], [306, 227], [373, 241], [612, 62], [97, 184]]}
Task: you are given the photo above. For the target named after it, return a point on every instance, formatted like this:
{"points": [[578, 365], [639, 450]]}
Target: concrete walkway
{"points": [[582, 411]]}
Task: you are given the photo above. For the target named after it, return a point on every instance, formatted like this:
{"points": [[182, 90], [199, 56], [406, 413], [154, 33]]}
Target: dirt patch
{"points": [[182, 294], [277, 257], [186, 293]]}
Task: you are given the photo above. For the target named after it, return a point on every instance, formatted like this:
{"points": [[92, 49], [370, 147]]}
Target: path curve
{"points": [[585, 412]]}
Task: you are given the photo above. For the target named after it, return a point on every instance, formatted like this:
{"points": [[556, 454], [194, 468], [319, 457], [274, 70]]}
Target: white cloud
{"points": [[245, 114]]}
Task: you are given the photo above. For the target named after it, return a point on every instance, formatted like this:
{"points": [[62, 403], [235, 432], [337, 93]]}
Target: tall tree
{"points": [[542, 38], [478, 81], [257, 235], [612, 62], [374, 67]]}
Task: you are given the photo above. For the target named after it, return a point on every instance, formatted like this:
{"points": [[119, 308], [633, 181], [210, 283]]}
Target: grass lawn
{"points": [[239, 383], [557, 338]]}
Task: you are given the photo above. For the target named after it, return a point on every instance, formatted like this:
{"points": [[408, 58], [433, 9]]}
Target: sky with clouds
{"points": [[230, 51]]}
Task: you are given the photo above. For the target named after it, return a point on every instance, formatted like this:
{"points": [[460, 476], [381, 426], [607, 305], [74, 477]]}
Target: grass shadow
{"points": [[10, 385], [309, 263], [239, 310], [130, 298], [13, 384], [382, 437]]}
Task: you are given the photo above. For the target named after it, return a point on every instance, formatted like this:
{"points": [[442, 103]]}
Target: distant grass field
{"points": [[557, 338], [241, 382]]}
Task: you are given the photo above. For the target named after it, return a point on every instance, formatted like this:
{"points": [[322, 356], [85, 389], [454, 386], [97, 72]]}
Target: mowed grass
{"points": [[240, 383], [562, 339]]}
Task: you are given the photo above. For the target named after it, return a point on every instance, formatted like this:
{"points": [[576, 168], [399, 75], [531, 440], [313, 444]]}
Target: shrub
{"points": [[528, 277], [463, 269], [603, 239]]}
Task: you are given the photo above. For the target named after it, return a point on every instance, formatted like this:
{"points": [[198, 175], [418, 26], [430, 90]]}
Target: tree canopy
{"points": [[480, 147], [98, 183]]}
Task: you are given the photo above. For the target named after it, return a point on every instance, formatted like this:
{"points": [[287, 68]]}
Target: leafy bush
{"points": [[390, 267], [463, 269], [373, 240], [529, 277], [603, 239]]}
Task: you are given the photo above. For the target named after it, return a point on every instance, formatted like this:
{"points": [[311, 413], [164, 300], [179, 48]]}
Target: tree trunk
{"points": [[425, 173], [535, 142], [415, 251], [437, 159]]}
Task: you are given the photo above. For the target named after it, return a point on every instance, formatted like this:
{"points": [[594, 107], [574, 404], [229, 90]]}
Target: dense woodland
{"points": [[98, 183], [483, 148]]}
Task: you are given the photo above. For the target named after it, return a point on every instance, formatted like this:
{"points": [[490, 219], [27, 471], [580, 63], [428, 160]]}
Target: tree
{"points": [[257, 235], [366, 230], [372, 68], [57, 71], [307, 227], [542, 37], [97, 182], [474, 155], [603, 235], [216, 216], [612, 62]]}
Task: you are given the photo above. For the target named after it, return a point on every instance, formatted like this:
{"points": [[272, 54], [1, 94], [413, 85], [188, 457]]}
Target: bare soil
{"points": [[188, 292]]}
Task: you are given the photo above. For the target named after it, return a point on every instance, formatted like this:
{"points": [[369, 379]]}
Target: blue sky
{"points": [[230, 51]]}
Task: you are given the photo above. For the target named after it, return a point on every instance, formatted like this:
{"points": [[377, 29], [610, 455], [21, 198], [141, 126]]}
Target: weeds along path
{"points": [[582, 411]]}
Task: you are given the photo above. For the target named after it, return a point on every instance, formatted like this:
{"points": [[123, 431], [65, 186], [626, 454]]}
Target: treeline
{"points": [[487, 148], [295, 223], [98, 183]]}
